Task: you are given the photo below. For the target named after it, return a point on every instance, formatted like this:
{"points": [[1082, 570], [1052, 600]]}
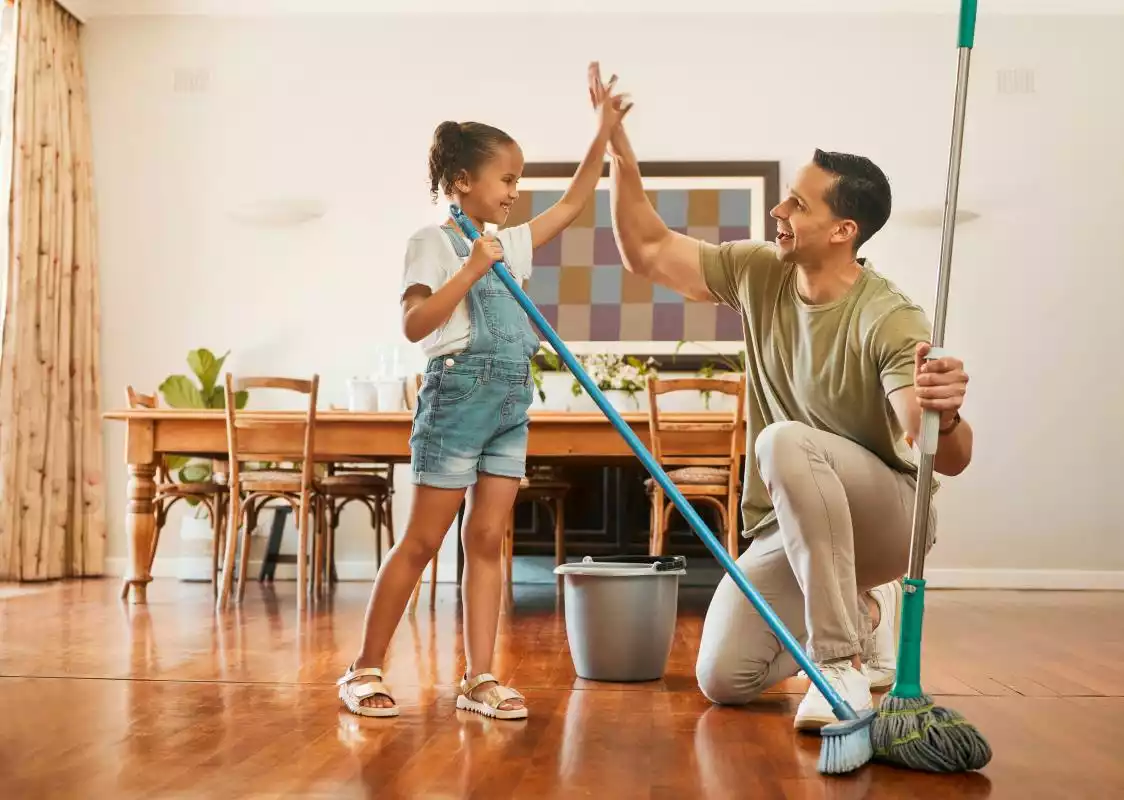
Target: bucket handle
{"points": [[658, 563]]}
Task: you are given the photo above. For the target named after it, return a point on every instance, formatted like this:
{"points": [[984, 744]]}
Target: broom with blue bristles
{"points": [[846, 744], [910, 729]]}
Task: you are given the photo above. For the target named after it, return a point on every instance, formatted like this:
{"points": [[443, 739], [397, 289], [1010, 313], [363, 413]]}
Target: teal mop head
{"points": [[846, 745]]}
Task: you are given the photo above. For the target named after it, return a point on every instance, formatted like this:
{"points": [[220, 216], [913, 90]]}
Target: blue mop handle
{"points": [[840, 706]]}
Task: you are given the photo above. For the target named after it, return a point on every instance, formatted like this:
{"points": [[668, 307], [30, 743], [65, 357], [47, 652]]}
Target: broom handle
{"points": [[843, 710], [930, 420]]}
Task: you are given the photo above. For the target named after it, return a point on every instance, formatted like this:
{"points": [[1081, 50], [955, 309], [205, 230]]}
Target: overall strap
{"points": [[459, 244]]}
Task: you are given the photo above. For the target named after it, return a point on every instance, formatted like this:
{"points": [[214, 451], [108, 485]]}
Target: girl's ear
{"points": [[461, 183]]}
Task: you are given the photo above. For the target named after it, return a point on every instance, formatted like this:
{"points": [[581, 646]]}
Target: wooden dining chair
{"points": [[354, 481], [708, 480], [270, 437], [546, 487], [210, 493]]}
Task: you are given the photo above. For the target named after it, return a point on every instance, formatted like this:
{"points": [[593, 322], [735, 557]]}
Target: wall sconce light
{"points": [[934, 217], [278, 213]]}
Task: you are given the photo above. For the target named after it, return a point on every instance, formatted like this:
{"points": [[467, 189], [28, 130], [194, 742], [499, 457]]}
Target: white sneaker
{"points": [[883, 664], [815, 712]]}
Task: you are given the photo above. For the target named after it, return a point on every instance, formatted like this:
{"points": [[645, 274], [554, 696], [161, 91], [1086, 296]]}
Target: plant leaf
{"points": [[174, 463], [195, 472], [180, 392], [206, 366], [217, 398]]}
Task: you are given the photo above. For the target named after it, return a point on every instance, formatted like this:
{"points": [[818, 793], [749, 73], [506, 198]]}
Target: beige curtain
{"points": [[52, 508]]}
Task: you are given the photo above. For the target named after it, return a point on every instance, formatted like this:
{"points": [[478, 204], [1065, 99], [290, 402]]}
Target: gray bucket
{"points": [[620, 615]]}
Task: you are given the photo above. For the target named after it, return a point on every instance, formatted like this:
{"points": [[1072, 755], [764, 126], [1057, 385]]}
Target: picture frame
{"points": [[596, 306]]}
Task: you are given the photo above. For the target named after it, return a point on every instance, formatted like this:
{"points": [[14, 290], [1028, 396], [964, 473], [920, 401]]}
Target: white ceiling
{"points": [[86, 9]]}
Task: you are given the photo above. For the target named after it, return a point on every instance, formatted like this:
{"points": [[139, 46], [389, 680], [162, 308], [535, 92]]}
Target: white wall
{"points": [[341, 109]]}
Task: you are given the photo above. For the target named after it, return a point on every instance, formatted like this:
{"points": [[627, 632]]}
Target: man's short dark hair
{"points": [[861, 192]]}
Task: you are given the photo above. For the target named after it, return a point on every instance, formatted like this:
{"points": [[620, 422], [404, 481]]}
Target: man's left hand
{"points": [[940, 384]]}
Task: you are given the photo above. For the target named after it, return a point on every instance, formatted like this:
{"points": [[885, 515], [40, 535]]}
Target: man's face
{"points": [[807, 230]]}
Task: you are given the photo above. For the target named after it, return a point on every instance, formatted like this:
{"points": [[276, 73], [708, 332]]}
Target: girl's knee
{"points": [[483, 541], [418, 549]]}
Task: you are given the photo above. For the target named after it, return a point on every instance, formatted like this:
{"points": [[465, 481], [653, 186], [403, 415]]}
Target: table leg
{"points": [[140, 526]]}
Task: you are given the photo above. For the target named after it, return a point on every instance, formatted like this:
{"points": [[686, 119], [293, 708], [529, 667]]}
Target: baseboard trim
{"points": [[1040, 579], [175, 567]]}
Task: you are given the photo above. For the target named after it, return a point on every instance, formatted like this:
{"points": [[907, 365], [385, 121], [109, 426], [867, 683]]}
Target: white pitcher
{"points": [[362, 395]]}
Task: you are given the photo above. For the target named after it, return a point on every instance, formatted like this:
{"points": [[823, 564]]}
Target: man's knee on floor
{"points": [[776, 444], [725, 686]]}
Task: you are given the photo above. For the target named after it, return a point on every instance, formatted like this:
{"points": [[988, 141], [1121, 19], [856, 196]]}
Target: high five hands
{"points": [[611, 108]]}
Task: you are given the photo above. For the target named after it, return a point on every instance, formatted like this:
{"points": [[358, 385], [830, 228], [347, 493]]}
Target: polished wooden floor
{"points": [[105, 700]]}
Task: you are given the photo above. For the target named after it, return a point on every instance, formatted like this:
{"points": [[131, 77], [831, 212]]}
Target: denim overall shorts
{"points": [[471, 414]]}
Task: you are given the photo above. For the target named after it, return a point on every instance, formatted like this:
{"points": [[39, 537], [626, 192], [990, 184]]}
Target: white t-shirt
{"points": [[431, 261]]}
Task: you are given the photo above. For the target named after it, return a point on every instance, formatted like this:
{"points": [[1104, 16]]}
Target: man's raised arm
{"points": [[649, 248]]}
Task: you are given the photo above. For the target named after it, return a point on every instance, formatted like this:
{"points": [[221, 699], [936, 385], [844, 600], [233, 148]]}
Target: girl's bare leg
{"points": [[492, 501], [431, 514]]}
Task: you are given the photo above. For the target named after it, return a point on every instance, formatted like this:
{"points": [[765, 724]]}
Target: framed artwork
{"points": [[596, 306]]}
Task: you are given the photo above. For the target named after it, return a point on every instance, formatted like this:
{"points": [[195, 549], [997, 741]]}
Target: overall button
{"points": [[448, 362]]}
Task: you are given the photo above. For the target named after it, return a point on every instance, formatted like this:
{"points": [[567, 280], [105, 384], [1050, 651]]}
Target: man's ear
{"points": [[845, 231]]}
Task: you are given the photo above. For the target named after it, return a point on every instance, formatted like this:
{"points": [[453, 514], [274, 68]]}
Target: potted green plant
{"points": [[620, 378], [179, 391], [722, 363], [553, 363]]}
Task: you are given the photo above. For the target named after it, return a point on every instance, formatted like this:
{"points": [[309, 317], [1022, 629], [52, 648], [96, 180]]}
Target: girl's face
{"points": [[488, 195]]}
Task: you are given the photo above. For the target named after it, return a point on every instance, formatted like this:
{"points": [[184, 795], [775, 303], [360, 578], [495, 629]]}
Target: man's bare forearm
{"points": [[647, 246], [954, 450], [638, 229]]}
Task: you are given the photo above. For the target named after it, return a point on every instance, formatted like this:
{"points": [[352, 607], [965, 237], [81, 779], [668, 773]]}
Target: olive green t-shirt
{"points": [[830, 366]]}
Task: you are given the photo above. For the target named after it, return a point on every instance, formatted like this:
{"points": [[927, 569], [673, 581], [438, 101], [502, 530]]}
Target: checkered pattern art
{"points": [[585, 293]]}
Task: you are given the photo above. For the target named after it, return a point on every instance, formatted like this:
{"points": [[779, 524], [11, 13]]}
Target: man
{"points": [[837, 378]]}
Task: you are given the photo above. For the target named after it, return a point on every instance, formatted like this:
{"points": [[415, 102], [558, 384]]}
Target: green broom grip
{"points": [[967, 23]]}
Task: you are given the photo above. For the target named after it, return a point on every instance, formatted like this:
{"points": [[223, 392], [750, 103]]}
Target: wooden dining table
{"points": [[554, 437]]}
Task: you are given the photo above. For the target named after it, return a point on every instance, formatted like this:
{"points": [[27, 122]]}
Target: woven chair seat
{"points": [[695, 476]]}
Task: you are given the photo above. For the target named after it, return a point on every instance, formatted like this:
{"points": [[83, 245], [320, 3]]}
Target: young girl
{"points": [[470, 425]]}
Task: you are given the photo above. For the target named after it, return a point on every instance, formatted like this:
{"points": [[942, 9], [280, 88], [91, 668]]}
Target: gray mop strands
{"points": [[914, 732]]}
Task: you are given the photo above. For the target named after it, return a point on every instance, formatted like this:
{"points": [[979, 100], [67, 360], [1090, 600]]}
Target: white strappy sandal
{"points": [[353, 691], [493, 698]]}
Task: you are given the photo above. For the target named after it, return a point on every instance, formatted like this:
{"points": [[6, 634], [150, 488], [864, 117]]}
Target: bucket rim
{"points": [[625, 566]]}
